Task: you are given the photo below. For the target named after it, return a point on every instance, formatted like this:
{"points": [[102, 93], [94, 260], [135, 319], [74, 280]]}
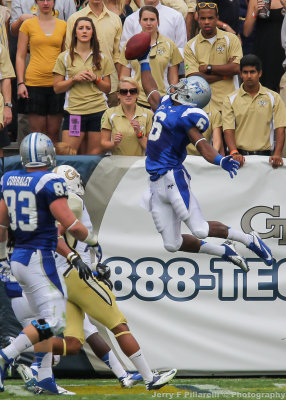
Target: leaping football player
{"points": [[178, 121]]}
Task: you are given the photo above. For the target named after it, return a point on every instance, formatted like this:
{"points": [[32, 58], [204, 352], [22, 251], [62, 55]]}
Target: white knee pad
{"points": [[202, 231]]}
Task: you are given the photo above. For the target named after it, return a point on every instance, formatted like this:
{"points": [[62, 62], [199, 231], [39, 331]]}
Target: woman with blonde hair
{"points": [[83, 73], [119, 7], [125, 128]]}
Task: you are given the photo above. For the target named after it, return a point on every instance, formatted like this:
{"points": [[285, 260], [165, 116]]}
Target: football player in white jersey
{"points": [[31, 201], [95, 299], [178, 121]]}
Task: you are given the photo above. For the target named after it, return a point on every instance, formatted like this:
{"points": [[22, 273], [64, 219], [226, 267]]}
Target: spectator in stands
{"points": [[119, 7], [5, 14], [252, 115], [6, 74], [26, 9], [125, 128], [108, 29], [267, 40], [44, 36], [214, 132], [172, 25], [164, 56], [214, 54], [83, 73]]}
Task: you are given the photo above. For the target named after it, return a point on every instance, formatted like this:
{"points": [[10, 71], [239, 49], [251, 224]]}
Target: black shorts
{"points": [[4, 138], [42, 101], [88, 123]]}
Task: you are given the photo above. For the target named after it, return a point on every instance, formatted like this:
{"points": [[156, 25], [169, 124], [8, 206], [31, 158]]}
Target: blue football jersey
{"points": [[28, 196], [168, 138]]}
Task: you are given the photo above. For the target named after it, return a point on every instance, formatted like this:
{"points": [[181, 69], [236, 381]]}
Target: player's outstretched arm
{"points": [[148, 82], [210, 154]]}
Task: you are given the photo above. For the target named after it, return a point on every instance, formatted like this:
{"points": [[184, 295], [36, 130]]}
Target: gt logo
{"points": [[277, 225]]}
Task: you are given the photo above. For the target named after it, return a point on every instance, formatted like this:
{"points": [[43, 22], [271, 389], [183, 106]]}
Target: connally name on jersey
{"points": [[19, 181]]}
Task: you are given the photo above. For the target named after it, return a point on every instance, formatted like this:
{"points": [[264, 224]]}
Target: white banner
{"points": [[195, 312]]}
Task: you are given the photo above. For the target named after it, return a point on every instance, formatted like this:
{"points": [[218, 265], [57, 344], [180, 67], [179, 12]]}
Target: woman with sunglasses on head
{"points": [[44, 36], [125, 128], [165, 57], [83, 73]]}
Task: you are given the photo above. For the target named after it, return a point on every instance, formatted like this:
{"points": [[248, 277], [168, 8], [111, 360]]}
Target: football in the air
{"points": [[137, 46]]}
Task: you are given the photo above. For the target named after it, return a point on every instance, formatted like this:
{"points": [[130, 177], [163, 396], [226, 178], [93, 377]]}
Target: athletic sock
{"points": [[141, 365], [239, 236], [112, 362], [213, 249], [44, 361], [21, 343]]}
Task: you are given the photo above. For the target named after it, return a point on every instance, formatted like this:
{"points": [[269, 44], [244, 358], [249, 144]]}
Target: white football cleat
{"points": [[130, 380], [64, 391], [232, 256], [27, 375], [160, 380]]}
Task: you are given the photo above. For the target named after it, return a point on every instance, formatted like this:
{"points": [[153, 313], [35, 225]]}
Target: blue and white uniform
{"points": [[171, 198], [28, 196]]}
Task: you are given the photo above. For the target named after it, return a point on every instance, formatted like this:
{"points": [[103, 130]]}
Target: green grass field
{"points": [[190, 388]]}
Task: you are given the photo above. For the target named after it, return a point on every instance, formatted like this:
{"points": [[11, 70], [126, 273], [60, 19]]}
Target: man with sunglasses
{"points": [[213, 54]]}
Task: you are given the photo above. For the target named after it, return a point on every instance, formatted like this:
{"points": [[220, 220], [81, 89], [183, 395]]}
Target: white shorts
{"points": [[172, 202], [42, 288]]}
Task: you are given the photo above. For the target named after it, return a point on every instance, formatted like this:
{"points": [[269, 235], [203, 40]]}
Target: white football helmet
{"points": [[71, 177], [193, 91], [37, 150]]}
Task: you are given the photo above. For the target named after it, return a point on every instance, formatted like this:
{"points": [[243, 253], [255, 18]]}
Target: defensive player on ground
{"points": [[31, 201], [178, 121], [94, 298]]}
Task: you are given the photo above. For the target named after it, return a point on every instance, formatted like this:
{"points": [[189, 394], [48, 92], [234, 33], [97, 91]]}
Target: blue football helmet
{"points": [[37, 150], [192, 91]]}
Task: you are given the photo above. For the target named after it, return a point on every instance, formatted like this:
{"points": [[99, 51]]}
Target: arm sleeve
{"points": [[105, 122], [279, 113], [75, 203], [191, 62], [6, 67], [176, 57], [59, 67], [235, 49], [228, 118], [116, 43]]}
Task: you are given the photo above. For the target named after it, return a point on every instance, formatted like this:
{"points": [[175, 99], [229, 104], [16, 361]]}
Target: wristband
{"points": [[197, 142], [218, 159], [145, 66], [139, 135], [20, 83], [254, 15], [98, 80], [234, 152]]}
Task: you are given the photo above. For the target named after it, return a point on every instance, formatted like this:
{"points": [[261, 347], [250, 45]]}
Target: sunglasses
{"points": [[130, 91], [207, 5]]}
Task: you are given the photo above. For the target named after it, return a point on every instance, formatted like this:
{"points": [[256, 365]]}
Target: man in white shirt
{"points": [[172, 25]]}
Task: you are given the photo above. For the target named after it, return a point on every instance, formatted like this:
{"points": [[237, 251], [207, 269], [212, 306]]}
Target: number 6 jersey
{"points": [[28, 196], [168, 138]]}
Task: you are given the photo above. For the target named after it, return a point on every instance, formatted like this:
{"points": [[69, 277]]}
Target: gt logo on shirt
{"points": [[181, 279]]}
